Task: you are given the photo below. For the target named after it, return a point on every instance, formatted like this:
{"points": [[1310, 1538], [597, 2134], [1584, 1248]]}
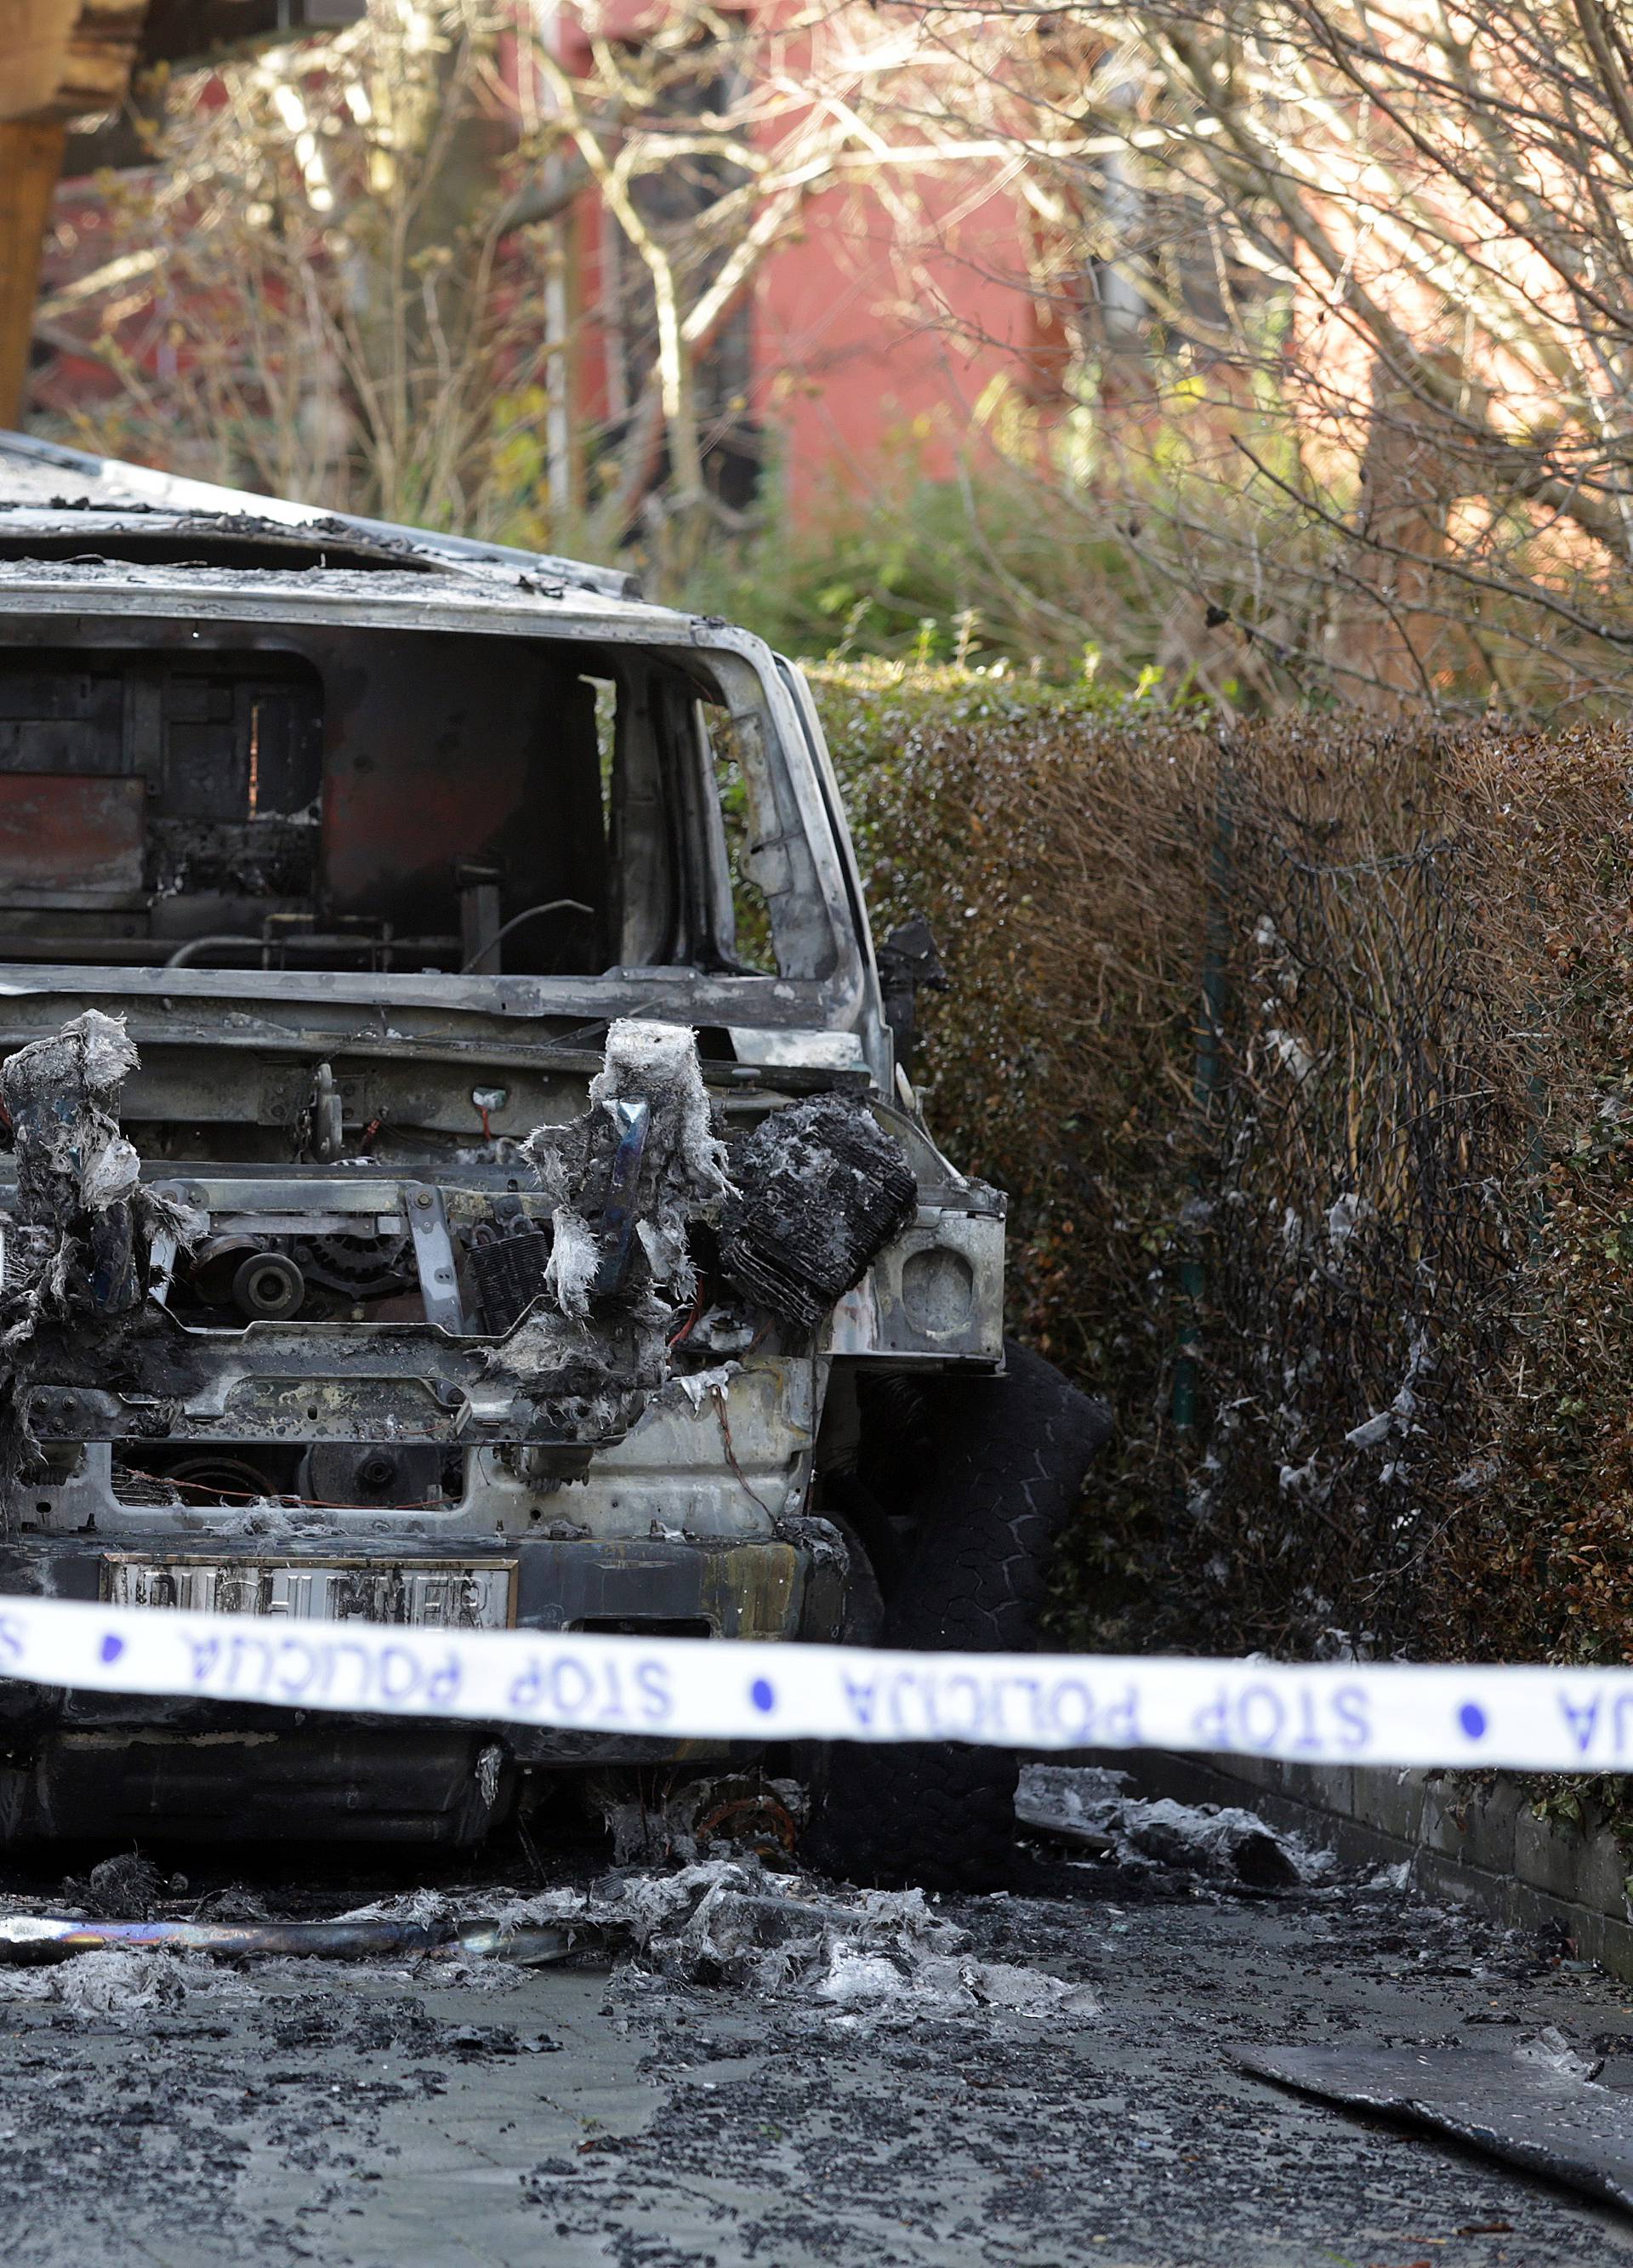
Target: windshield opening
{"points": [[312, 798]]}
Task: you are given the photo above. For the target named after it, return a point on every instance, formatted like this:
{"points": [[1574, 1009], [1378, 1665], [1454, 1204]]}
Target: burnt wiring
{"points": [[280, 1496], [693, 1319], [531, 913], [718, 1396]]}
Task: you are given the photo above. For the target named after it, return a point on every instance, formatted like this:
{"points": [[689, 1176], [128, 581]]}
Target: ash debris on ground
{"points": [[1093, 1809], [713, 2098], [123, 1986], [732, 1924], [984, 2136]]}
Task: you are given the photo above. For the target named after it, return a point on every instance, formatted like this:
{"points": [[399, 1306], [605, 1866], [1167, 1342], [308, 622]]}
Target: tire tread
{"points": [[1012, 1455]]}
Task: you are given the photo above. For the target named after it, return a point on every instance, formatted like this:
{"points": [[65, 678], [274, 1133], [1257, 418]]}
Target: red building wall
{"points": [[871, 348], [872, 355]]}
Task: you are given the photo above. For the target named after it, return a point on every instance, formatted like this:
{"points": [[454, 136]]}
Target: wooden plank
{"points": [[61, 58], [31, 155]]}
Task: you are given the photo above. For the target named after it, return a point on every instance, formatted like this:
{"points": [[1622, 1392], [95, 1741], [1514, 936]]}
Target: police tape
{"points": [[1527, 1717]]}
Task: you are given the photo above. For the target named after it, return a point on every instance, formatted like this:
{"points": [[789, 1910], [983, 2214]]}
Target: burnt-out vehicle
{"points": [[461, 1167]]}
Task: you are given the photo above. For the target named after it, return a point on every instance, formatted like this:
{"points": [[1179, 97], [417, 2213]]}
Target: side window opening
{"points": [[751, 946], [680, 828]]}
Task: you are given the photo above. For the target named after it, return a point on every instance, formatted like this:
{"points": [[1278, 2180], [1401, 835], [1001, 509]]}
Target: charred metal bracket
{"points": [[481, 912], [324, 1116], [348, 1382], [908, 963], [633, 1121], [161, 1265], [433, 1252]]}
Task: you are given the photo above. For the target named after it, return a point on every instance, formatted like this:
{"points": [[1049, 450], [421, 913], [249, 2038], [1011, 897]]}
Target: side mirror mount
{"points": [[909, 964]]}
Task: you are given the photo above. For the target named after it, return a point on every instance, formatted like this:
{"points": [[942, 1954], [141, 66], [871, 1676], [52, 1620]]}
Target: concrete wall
{"points": [[1472, 1838]]}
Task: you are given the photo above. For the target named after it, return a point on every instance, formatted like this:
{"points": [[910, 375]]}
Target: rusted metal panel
{"points": [[59, 833]]}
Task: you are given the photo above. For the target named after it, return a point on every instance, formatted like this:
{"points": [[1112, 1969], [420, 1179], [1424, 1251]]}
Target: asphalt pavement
{"points": [[1037, 2078]]}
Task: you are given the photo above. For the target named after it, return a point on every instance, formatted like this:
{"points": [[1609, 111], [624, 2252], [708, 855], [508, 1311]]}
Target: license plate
{"points": [[423, 1594]]}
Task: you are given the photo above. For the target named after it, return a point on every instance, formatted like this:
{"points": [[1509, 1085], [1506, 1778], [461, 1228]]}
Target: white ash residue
{"points": [[575, 1256], [72, 1157], [122, 1985], [1088, 1807], [1397, 1419], [682, 1178], [877, 1984], [853, 1958], [423, 1908], [695, 1386], [886, 1955], [683, 1166], [1553, 2052], [882, 1956], [684, 1172], [1230, 1844], [657, 1063], [1395, 1880]]}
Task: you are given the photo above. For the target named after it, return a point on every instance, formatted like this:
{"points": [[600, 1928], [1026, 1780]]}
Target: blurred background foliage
{"points": [[1245, 374]]}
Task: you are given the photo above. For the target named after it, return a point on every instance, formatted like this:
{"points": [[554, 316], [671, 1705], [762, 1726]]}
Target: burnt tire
{"points": [[1011, 1457]]}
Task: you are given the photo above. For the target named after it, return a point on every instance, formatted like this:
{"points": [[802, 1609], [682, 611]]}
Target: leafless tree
{"points": [[707, 142], [327, 286], [359, 271], [1330, 302], [1344, 305]]}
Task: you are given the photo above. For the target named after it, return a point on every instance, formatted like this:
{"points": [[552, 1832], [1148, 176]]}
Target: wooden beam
{"points": [[61, 58], [33, 53], [31, 155]]}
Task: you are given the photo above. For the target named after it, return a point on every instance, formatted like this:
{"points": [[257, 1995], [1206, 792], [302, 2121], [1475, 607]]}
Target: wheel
{"points": [[1008, 1469]]}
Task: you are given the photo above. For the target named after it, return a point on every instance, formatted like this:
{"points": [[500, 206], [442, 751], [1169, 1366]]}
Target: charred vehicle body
{"points": [[461, 1165]]}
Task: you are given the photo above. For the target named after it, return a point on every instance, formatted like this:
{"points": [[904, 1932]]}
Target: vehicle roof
{"points": [[67, 496]]}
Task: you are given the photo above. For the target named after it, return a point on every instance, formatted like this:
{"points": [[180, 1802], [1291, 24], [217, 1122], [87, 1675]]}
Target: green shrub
{"points": [[998, 569]]}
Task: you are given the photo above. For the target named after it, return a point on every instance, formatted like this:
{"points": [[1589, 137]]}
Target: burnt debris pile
{"points": [[822, 1188]]}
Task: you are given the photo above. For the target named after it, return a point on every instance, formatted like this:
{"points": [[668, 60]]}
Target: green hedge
{"points": [[1304, 1054], [1046, 1076]]}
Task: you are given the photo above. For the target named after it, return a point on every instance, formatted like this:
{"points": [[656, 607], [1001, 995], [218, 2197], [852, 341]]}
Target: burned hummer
{"points": [[460, 1165]]}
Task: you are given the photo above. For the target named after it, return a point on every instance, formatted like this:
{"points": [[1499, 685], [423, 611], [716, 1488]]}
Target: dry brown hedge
{"points": [[1306, 1054]]}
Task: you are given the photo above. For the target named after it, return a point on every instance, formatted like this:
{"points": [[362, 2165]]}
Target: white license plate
{"points": [[424, 1594]]}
